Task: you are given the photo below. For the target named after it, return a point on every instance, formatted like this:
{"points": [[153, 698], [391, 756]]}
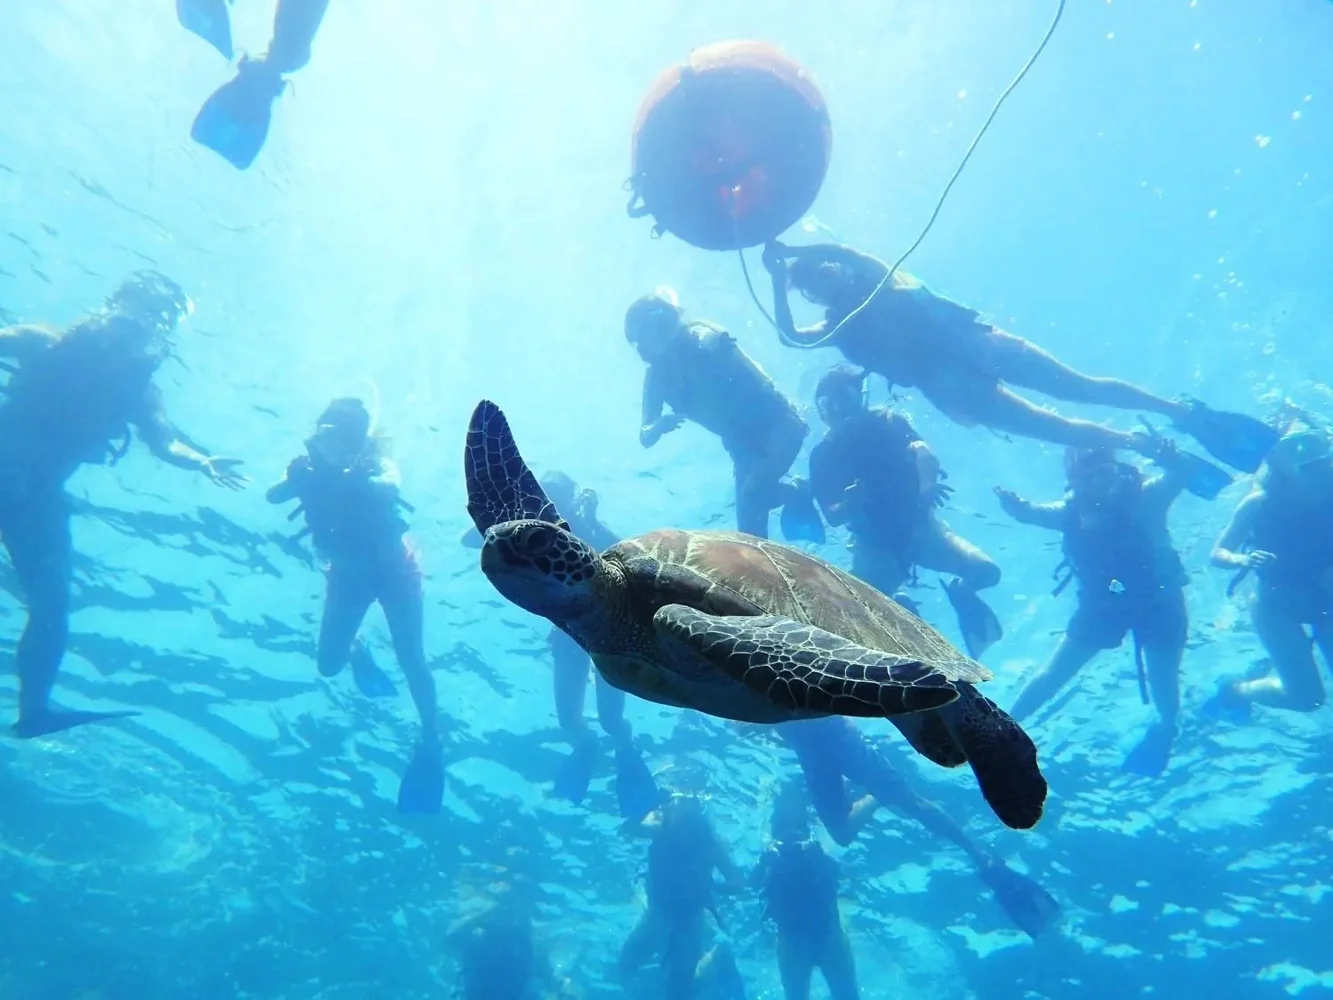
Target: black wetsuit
{"points": [[874, 447], [499, 960], [1128, 581], [356, 526], [1295, 523]]}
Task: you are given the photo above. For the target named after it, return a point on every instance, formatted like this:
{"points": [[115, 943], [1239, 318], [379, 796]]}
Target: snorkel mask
{"points": [[841, 394], [1299, 447], [340, 433], [651, 320]]}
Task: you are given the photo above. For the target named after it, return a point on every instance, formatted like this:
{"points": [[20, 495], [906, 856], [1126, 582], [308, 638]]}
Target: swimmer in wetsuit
{"points": [[834, 755], [72, 399], [800, 886], [914, 337], [348, 490], [873, 473], [1130, 582], [699, 371], [1283, 533], [636, 790], [684, 852]]}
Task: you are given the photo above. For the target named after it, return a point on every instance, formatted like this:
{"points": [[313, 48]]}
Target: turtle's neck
{"points": [[600, 625]]}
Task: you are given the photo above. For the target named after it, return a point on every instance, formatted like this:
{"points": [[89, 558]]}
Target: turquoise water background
{"points": [[438, 216]]}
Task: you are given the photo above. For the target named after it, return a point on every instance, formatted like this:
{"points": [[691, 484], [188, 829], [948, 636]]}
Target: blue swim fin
{"points": [[421, 792], [1240, 441], [210, 20], [54, 721], [1204, 479], [980, 627], [571, 781], [637, 793], [800, 520], [234, 121], [1153, 753], [1031, 908], [370, 680]]}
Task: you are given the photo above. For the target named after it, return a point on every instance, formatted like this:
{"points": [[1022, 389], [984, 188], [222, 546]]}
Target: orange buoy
{"points": [[730, 148]]}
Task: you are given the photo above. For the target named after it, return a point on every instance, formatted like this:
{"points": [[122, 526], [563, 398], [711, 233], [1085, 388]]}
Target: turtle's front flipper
{"points": [[500, 486], [1001, 755], [804, 668]]}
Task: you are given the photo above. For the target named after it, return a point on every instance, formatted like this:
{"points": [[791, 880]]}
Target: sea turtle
{"points": [[741, 628]]}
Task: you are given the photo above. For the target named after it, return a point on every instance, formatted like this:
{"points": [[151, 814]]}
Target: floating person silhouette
{"points": [[800, 887], [834, 756], [698, 370], [234, 121], [1130, 582], [1283, 533], [873, 473], [500, 956], [913, 337], [636, 789], [348, 490], [72, 399]]}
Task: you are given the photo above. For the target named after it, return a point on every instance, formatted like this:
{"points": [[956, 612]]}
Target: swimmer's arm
{"points": [[1227, 552], [782, 313], [387, 475], [162, 440], [928, 470], [653, 424], [862, 264], [724, 864], [25, 341], [1039, 515], [288, 487], [646, 827]]}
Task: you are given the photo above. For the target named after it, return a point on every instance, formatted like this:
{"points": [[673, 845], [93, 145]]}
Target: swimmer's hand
{"points": [[1010, 502], [1259, 559], [775, 257], [222, 471], [664, 424], [937, 495]]}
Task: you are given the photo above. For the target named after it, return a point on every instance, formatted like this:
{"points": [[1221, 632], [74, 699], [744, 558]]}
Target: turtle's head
{"points": [[541, 567]]}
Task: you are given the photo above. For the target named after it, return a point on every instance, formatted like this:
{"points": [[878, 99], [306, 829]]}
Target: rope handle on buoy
{"points": [[939, 205]]}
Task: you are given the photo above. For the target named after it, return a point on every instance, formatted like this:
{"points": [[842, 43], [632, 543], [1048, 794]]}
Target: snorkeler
{"points": [[873, 473], [1283, 533], [348, 490], [699, 371], [1130, 581], [913, 337], [636, 789], [800, 886], [683, 855], [71, 400], [499, 957], [234, 121], [832, 753]]}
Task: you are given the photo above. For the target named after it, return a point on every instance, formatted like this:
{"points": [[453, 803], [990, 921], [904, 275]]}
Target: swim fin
{"points": [[637, 793], [980, 627], [234, 121], [1202, 478], [1240, 441], [1031, 908], [53, 721], [370, 680], [800, 520], [421, 792], [571, 781], [1153, 753], [210, 20]]}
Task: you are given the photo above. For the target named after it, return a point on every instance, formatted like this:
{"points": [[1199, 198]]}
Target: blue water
{"points": [[438, 216]]}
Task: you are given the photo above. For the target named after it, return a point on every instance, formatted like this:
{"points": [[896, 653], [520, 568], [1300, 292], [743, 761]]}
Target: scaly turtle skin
{"points": [[741, 628]]}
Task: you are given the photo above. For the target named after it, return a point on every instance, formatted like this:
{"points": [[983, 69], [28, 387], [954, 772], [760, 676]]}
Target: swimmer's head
{"points": [[147, 307], [1300, 447], [1097, 476], [341, 432], [652, 322], [822, 284], [560, 490], [840, 394], [790, 822]]}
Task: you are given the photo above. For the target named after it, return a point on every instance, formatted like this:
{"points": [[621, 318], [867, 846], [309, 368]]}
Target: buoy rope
{"points": [[939, 205]]}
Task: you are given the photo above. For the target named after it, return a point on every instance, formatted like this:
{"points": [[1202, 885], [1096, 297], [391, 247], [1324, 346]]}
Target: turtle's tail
{"points": [[1001, 755]]}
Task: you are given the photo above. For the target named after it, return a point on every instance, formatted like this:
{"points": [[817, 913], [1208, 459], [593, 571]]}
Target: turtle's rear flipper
{"points": [[500, 486], [1001, 755], [804, 668]]}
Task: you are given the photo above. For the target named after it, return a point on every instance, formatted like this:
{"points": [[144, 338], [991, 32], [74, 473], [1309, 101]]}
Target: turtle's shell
{"points": [[786, 581]]}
